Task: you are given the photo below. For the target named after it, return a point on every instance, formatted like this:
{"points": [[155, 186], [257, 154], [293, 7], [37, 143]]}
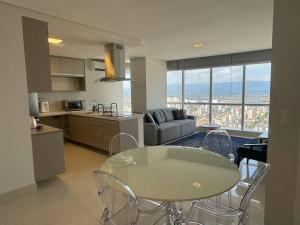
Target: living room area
{"points": [[225, 92]]}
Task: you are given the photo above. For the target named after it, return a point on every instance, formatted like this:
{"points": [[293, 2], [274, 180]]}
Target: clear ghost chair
{"points": [[218, 141], [121, 142], [224, 212], [120, 205]]}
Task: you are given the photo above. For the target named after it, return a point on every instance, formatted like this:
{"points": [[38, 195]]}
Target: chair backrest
{"points": [[256, 178], [121, 142], [120, 205], [218, 141]]}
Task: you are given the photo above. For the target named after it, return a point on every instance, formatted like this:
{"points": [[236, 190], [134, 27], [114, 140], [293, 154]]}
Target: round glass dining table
{"points": [[172, 173]]}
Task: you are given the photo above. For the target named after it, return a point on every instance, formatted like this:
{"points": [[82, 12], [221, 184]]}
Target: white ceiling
{"points": [[77, 44], [169, 28]]}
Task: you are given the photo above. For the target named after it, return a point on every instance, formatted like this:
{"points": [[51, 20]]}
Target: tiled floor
{"points": [[71, 199]]}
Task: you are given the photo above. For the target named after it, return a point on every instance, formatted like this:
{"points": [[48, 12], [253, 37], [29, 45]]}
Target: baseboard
{"points": [[15, 194]]}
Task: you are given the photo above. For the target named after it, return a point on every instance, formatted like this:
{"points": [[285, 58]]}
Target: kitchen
{"points": [[73, 94]]}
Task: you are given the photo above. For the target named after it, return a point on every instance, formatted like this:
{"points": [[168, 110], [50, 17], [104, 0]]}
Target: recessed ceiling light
{"points": [[54, 41], [198, 45]]}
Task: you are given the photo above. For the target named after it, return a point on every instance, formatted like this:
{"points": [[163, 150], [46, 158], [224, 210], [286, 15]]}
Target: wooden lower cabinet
{"points": [[48, 153], [59, 121], [92, 131], [78, 128]]}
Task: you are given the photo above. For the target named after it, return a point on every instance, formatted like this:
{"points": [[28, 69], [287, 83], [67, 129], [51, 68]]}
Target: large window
{"points": [[236, 97], [201, 111], [258, 77], [196, 94], [257, 96], [229, 116], [174, 89], [196, 86], [227, 84]]}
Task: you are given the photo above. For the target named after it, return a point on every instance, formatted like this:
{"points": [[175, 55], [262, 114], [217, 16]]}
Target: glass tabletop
{"points": [[172, 173]]}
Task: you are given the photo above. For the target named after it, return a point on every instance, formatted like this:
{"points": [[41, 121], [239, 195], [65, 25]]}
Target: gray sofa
{"points": [[167, 128]]}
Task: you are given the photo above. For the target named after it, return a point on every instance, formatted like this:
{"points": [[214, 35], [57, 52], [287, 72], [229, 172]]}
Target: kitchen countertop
{"points": [[45, 130], [121, 116], [61, 113]]}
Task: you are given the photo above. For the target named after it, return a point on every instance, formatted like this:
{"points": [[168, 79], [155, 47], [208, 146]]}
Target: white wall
{"points": [[102, 92], [156, 81], [149, 84], [16, 164], [283, 183]]}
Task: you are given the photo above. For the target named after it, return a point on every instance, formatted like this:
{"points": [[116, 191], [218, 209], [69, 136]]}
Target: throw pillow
{"points": [[179, 114], [149, 118]]}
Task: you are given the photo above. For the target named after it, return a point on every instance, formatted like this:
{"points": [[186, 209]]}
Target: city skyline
{"points": [[233, 96]]}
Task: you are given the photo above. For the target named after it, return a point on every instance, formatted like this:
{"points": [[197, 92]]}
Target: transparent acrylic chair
{"points": [[121, 142], [224, 212], [120, 205], [218, 141]]}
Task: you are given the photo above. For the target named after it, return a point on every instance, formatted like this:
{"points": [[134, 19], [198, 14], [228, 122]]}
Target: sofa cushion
{"points": [[187, 126], [179, 114], [159, 116], [168, 114], [167, 132]]}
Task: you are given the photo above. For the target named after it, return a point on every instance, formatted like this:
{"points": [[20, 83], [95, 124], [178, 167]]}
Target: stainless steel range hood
{"points": [[114, 63]]}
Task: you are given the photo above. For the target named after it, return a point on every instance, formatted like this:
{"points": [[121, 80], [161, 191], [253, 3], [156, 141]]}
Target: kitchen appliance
{"points": [[97, 65], [73, 105], [44, 106], [32, 122], [33, 105], [114, 60]]}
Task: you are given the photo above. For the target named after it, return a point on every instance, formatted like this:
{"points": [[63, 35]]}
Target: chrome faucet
{"points": [[93, 104], [99, 108], [111, 106]]}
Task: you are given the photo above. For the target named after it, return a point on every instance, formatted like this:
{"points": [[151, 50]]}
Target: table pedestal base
{"points": [[174, 217]]}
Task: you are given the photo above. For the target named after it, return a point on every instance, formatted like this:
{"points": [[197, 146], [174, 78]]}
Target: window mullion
{"points": [[210, 95], [182, 88], [243, 98]]}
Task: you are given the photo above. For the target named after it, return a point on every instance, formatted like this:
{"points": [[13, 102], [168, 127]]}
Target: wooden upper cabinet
{"points": [[55, 65], [70, 67], [36, 49], [66, 66], [78, 67]]}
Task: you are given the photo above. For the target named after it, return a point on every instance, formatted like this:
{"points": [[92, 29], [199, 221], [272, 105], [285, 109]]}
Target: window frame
{"points": [[243, 104]]}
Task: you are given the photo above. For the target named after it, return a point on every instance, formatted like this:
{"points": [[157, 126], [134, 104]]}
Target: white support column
{"points": [[149, 84], [283, 182]]}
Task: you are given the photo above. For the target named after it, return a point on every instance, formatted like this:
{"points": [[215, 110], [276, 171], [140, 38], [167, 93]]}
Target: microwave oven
{"points": [[73, 105]]}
